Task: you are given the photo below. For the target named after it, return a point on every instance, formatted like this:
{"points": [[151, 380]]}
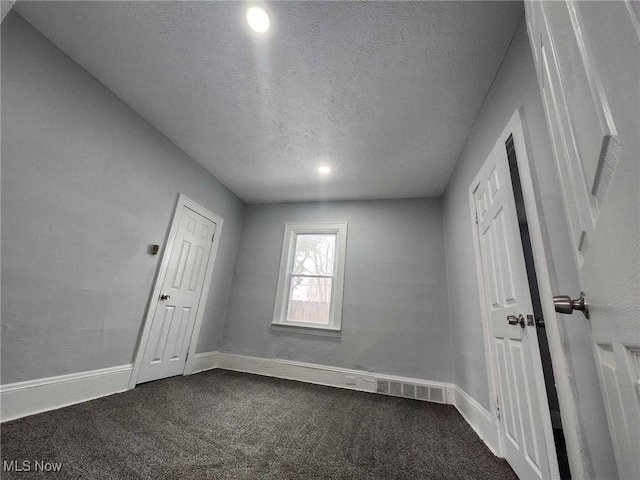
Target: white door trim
{"points": [[489, 351], [183, 201], [561, 371]]}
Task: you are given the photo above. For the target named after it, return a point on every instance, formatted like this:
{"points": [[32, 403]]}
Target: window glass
{"points": [[314, 254], [310, 300]]}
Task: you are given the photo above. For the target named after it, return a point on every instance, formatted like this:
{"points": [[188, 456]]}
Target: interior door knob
{"points": [[564, 304], [513, 320], [164, 296]]}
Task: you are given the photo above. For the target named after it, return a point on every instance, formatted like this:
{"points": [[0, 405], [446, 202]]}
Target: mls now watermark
{"points": [[30, 466]]}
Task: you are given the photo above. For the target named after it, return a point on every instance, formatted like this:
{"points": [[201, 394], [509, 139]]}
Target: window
{"points": [[311, 278]]}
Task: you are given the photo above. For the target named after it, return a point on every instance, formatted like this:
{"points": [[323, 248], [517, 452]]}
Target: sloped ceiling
{"points": [[385, 93]]}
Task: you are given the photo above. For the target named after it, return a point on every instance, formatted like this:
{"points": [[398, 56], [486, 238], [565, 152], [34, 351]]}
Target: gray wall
{"points": [[395, 297], [87, 184], [515, 86]]}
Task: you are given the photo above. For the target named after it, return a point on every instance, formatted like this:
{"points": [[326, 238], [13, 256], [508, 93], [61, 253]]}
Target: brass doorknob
{"points": [[164, 296], [564, 304]]}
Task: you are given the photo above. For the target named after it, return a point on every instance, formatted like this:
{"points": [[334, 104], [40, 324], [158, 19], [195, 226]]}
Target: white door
{"points": [[170, 334], [527, 436], [588, 60]]}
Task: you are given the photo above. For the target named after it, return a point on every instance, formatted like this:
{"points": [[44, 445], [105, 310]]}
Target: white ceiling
{"points": [[386, 93]]}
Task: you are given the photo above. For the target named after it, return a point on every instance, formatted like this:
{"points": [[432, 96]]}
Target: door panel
{"points": [[523, 406], [528, 416], [159, 336], [579, 219], [168, 343], [589, 71], [507, 395], [575, 97]]}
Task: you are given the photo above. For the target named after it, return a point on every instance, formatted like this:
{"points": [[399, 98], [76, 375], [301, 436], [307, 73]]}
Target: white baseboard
{"points": [[320, 374], [202, 362], [479, 418], [20, 399]]}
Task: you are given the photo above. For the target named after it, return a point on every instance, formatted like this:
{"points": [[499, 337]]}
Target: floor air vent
{"points": [[409, 390], [422, 392], [436, 394], [382, 387], [395, 388]]}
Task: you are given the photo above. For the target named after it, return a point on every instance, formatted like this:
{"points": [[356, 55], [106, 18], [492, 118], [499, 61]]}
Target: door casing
{"points": [[183, 201]]}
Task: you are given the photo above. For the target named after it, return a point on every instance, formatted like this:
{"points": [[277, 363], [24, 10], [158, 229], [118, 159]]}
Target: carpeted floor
{"points": [[227, 425]]}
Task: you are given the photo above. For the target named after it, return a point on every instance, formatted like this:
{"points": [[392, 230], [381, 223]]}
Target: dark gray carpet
{"points": [[227, 425]]}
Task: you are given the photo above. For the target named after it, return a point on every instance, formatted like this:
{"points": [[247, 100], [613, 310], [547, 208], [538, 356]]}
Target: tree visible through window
{"points": [[312, 278]]}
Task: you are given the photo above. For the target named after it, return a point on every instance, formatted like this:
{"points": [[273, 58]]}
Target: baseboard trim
{"points": [[202, 362], [21, 399], [479, 418], [320, 374]]}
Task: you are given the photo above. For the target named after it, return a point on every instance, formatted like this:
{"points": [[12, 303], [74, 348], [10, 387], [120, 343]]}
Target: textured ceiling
{"points": [[386, 93]]}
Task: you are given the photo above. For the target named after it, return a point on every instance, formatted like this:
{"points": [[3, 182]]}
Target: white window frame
{"points": [[291, 231]]}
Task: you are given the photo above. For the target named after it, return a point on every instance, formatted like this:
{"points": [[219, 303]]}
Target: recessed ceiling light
{"points": [[258, 19], [324, 169]]}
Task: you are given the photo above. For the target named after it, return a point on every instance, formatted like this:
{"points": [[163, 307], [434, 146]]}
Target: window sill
{"points": [[322, 331]]}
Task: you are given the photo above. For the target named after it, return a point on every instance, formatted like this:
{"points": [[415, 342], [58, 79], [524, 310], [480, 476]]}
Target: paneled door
{"points": [[587, 57], [176, 306], [526, 432]]}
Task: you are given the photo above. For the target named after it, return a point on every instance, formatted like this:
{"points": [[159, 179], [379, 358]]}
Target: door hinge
{"points": [[476, 218], [497, 408], [212, 237]]}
